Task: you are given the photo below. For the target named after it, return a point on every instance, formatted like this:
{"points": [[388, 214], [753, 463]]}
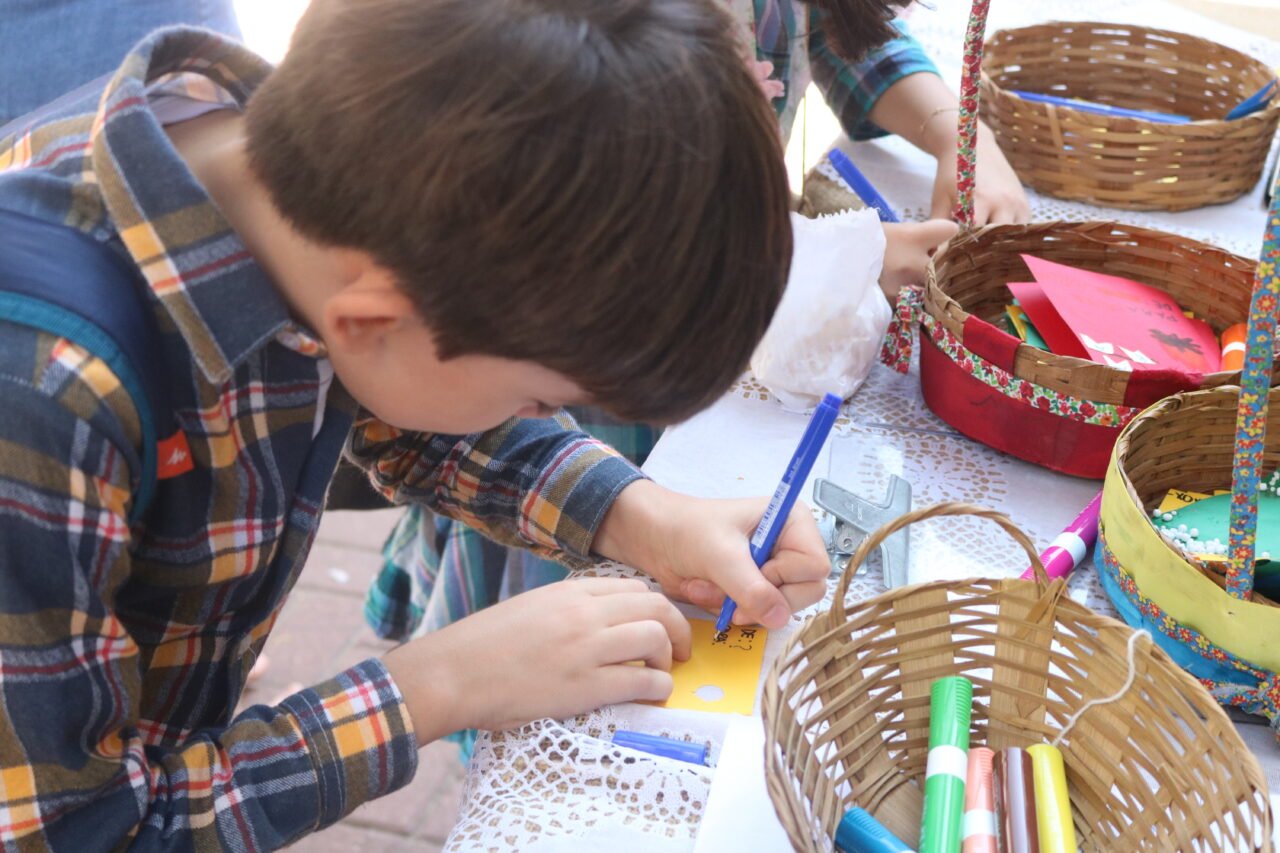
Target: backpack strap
{"points": [[62, 281]]}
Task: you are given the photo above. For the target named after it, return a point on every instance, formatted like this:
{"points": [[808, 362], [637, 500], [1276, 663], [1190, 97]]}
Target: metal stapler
{"points": [[856, 518]]}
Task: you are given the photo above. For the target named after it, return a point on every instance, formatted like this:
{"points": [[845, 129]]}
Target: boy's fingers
{"points": [[758, 600], [638, 607], [801, 581], [801, 533], [622, 683], [647, 641]]}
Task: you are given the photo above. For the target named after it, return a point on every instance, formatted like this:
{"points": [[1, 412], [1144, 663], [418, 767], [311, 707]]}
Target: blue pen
{"points": [[1254, 102], [1101, 109], [859, 832], [859, 184], [775, 515], [680, 750]]}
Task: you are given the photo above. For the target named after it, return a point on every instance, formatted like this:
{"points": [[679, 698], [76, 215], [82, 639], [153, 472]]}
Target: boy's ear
{"points": [[366, 308]]}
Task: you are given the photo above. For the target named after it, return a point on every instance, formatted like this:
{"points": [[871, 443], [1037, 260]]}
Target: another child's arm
{"points": [[922, 110], [908, 246], [897, 89]]}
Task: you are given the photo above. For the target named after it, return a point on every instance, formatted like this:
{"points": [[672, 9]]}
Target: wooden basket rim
{"points": [[934, 294]]}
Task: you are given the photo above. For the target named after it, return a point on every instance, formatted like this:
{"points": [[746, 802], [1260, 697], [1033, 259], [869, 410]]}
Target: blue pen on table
{"points": [[680, 750], [1101, 109], [861, 186], [784, 498]]}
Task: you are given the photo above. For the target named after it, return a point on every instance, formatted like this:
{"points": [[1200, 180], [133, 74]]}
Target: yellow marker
{"points": [[1053, 805], [724, 672]]}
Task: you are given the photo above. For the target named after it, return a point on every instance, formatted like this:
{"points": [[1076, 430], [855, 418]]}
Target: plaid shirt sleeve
{"points": [[539, 484], [86, 762], [852, 90]]}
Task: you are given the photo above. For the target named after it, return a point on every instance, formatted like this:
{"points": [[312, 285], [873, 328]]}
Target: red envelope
{"points": [[1045, 317], [1123, 323]]}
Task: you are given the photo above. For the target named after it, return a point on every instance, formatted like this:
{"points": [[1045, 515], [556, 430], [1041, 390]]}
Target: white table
{"points": [[552, 786]]}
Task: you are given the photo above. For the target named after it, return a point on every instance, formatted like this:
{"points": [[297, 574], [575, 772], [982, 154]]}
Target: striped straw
{"points": [[967, 156], [1251, 411]]}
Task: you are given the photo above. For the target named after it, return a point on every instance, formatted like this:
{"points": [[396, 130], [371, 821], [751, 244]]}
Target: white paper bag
{"points": [[827, 332]]}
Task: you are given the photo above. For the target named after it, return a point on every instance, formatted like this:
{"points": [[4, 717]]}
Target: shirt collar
{"points": [[221, 301]]}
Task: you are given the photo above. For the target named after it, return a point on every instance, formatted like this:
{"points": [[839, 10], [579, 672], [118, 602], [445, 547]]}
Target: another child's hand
{"points": [[907, 249], [699, 550], [556, 651], [761, 71], [998, 194]]}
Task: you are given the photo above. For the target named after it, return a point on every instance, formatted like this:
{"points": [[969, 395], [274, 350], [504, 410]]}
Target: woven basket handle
{"points": [[839, 612]]}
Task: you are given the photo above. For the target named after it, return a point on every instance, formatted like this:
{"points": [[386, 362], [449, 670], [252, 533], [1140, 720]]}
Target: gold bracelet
{"points": [[932, 116]]}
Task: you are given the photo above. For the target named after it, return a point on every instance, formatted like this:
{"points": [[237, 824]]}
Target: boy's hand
{"points": [[556, 651], [907, 248], [699, 550]]}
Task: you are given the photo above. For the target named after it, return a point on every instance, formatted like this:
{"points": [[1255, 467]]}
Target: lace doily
{"points": [[565, 780]]}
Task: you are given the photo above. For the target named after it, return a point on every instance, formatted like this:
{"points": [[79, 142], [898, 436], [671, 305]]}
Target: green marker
{"points": [[950, 709]]}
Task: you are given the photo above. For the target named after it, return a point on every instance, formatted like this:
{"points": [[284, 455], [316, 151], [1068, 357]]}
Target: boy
{"points": [[433, 217], [876, 77]]}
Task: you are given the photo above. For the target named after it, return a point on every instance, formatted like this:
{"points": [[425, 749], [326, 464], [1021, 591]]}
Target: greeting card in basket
{"points": [[1114, 321]]}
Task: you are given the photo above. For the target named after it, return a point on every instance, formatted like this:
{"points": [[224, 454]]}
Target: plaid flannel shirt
{"points": [[123, 651]]}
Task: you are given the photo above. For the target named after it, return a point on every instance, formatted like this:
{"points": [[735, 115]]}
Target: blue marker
{"points": [[859, 184], [775, 515], [859, 832], [1101, 109], [680, 750]]}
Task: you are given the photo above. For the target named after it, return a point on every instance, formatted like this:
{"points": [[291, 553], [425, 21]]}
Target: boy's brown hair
{"points": [[597, 187], [858, 26]]}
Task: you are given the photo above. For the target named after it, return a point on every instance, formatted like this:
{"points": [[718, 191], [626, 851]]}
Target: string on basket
{"points": [[1114, 697]]}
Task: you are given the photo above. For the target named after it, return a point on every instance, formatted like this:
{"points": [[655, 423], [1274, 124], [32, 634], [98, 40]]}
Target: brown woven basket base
{"points": [[846, 710]]}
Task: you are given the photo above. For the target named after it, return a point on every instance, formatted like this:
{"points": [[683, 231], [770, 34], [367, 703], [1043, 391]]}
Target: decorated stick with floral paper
{"points": [[1251, 411], [967, 156]]}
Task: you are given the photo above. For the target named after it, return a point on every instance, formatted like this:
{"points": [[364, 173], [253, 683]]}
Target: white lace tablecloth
{"points": [[556, 786]]}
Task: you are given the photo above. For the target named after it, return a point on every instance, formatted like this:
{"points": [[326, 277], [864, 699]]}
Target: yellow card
{"points": [[723, 673], [1018, 318], [1177, 499]]}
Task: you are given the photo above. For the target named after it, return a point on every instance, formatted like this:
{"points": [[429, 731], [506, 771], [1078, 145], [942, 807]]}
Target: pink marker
{"points": [[980, 804], [1072, 545]]}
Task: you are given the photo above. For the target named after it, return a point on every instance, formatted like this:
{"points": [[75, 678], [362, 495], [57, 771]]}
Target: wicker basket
{"points": [[1186, 442], [1126, 162], [846, 711], [1061, 412]]}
